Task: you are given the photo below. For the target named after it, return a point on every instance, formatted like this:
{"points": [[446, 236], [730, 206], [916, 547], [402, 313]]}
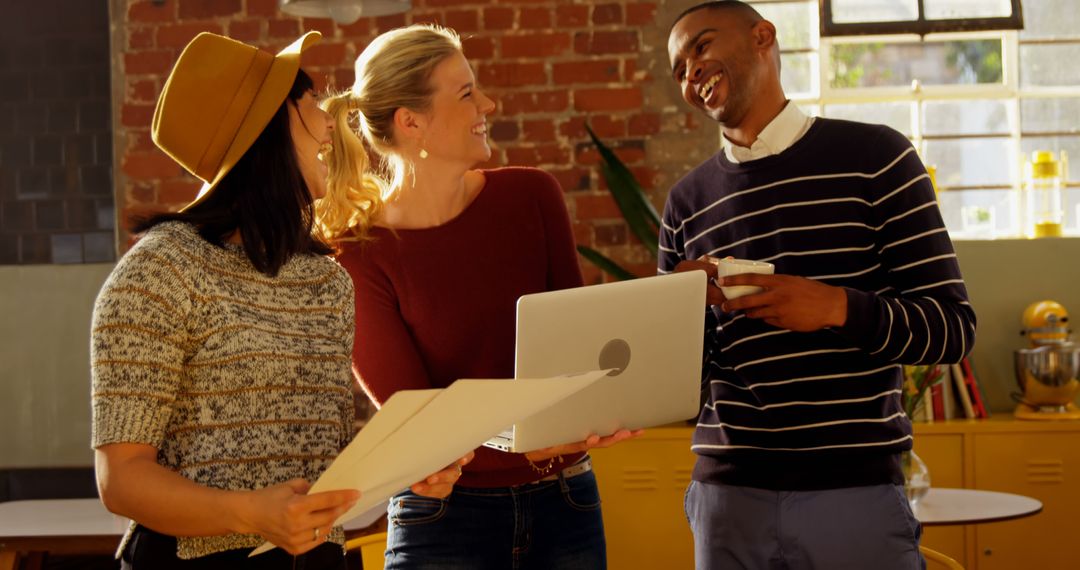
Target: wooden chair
{"points": [[934, 559], [372, 548]]}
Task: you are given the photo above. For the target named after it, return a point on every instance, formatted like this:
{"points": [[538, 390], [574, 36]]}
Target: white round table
{"points": [[971, 506], [82, 526]]}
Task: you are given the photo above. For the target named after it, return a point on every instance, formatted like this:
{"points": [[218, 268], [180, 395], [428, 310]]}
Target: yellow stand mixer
{"points": [[1047, 370]]}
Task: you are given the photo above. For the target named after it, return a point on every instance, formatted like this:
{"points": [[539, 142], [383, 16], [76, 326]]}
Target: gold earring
{"points": [[423, 153]]}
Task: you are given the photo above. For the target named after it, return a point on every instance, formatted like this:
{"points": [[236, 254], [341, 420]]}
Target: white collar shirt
{"points": [[782, 132]]}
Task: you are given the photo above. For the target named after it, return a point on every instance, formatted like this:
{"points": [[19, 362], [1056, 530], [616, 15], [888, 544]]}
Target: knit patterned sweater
{"points": [[240, 381], [850, 205]]}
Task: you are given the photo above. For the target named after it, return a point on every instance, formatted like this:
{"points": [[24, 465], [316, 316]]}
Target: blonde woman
{"points": [[439, 253]]}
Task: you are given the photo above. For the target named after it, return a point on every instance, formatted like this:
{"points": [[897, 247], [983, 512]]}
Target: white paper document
{"points": [[419, 432]]}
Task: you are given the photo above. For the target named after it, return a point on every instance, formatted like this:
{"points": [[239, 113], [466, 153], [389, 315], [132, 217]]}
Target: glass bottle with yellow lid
{"points": [[1043, 212]]}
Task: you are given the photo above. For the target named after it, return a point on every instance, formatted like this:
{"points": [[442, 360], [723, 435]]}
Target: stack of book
{"points": [[956, 396]]}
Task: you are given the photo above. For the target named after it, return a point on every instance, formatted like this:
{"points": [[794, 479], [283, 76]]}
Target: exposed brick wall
{"points": [[55, 133], [550, 65]]}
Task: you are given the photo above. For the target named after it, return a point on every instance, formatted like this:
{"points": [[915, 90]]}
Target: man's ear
{"points": [[764, 34]]}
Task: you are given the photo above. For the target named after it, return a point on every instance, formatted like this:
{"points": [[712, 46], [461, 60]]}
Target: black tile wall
{"points": [[9, 249], [56, 188]]}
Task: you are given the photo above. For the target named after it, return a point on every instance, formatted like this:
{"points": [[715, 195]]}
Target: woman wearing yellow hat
{"points": [[221, 341], [439, 253]]}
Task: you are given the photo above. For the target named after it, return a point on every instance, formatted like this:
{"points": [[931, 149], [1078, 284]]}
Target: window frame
{"points": [[920, 25]]}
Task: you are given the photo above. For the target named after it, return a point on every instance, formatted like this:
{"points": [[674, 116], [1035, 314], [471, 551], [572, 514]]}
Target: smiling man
{"points": [[800, 438]]}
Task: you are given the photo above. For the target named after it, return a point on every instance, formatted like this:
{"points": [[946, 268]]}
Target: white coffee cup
{"points": [[730, 266]]}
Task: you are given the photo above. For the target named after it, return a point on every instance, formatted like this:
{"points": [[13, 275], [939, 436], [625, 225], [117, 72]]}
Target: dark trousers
{"points": [[854, 528], [149, 550]]}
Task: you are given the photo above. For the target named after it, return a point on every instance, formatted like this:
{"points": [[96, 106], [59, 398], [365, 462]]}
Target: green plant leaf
{"points": [[605, 263], [640, 215]]}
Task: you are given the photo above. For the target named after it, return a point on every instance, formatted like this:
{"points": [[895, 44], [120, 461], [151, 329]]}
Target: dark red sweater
{"points": [[438, 304]]}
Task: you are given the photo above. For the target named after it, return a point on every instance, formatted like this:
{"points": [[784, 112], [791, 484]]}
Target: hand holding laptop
{"points": [[591, 442]]}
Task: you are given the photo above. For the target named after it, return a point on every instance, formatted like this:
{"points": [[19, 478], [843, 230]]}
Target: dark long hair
{"points": [[264, 197]]}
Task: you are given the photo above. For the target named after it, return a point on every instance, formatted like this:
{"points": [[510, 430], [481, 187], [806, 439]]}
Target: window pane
{"points": [[811, 110], [896, 115], [979, 117], [971, 162], [879, 64], [1071, 222], [954, 9], [1070, 145], [1050, 19], [848, 11], [797, 74], [1071, 197], [1045, 64], [796, 23], [1049, 115], [979, 214]]}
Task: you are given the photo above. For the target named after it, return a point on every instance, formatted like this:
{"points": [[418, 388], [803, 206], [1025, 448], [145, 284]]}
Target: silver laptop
{"points": [[650, 330]]}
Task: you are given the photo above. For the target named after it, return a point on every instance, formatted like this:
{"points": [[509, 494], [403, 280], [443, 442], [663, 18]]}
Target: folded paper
{"points": [[419, 432]]}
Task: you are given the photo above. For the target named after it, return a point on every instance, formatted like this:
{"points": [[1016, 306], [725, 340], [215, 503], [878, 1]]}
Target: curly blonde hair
{"points": [[392, 72]]}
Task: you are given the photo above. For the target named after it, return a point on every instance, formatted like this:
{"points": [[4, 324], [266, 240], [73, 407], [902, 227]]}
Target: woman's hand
{"points": [[590, 442], [440, 484], [288, 517], [131, 483]]}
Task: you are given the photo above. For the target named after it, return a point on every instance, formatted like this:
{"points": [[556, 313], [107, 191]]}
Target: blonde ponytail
{"points": [[355, 193], [392, 72]]}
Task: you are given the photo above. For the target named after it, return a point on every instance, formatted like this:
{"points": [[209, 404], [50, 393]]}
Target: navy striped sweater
{"points": [[851, 205]]}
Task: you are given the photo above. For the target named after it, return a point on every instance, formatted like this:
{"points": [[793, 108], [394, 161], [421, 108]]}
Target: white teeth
{"points": [[479, 130], [705, 91]]}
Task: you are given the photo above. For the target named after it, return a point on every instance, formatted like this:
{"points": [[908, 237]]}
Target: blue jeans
{"points": [[854, 528], [548, 525]]}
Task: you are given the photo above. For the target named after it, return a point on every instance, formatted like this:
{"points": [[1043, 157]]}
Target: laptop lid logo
{"points": [[615, 354]]}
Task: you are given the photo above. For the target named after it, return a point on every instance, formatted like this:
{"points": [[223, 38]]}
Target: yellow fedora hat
{"points": [[220, 96]]}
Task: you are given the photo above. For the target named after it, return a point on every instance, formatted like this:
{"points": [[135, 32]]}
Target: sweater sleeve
{"points": [[923, 316], [564, 272], [670, 252], [137, 345], [385, 357]]}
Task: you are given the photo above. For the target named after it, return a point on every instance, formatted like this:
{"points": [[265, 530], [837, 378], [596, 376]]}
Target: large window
{"points": [[975, 104]]}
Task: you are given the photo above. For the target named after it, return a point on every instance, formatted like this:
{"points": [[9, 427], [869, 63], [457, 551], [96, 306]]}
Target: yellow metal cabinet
{"points": [[1037, 464], [944, 457], [643, 481], [1012, 456], [642, 485]]}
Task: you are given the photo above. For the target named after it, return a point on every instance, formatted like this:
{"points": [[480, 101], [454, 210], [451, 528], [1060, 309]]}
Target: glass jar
{"points": [[1042, 212]]}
